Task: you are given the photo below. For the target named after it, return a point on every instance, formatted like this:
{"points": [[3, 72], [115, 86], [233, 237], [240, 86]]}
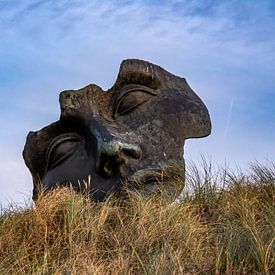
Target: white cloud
{"points": [[224, 50]]}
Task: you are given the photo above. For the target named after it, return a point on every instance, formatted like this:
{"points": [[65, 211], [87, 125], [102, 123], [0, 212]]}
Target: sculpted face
{"points": [[128, 133]]}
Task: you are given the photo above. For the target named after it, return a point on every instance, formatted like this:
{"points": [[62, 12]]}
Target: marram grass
{"points": [[224, 225]]}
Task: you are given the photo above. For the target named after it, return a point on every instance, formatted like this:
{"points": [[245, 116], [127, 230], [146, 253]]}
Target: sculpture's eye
{"points": [[61, 148], [131, 100]]}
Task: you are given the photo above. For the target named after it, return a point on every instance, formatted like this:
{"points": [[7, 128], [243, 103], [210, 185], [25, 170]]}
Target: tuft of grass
{"points": [[224, 224]]}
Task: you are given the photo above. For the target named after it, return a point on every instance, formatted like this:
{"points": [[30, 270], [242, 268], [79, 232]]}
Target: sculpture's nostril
{"points": [[108, 166]]}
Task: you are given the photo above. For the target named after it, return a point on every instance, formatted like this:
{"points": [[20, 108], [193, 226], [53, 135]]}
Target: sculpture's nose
{"points": [[112, 154], [112, 151]]}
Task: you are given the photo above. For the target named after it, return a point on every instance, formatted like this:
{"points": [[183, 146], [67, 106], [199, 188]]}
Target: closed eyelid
{"points": [[136, 87], [132, 88], [58, 141]]}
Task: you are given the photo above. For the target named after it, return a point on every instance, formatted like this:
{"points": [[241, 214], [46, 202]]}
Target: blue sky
{"points": [[225, 50]]}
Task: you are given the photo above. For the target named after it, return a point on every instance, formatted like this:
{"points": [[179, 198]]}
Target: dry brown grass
{"points": [[224, 225]]}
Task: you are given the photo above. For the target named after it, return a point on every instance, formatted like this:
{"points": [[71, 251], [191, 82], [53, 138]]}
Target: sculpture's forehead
{"points": [[93, 100], [88, 100]]}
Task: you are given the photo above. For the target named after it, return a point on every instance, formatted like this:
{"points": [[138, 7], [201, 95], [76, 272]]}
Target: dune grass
{"points": [[224, 225]]}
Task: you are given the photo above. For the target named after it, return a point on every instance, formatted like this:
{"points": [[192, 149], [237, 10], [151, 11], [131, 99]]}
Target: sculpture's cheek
{"points": [[78, 171], [75, 168]]}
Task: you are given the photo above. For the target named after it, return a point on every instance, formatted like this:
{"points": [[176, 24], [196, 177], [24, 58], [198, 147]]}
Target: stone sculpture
{"points": [[126, 134]]}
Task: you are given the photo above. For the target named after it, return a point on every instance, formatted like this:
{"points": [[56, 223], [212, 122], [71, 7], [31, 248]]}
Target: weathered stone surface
{"points": [[128, 133]]}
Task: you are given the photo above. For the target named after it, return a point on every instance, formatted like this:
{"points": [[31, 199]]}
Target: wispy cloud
{"points": [[225, 49]]}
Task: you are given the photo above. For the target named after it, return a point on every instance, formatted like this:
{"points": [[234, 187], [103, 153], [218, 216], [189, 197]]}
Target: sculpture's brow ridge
{"points": [[138, 78]]}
